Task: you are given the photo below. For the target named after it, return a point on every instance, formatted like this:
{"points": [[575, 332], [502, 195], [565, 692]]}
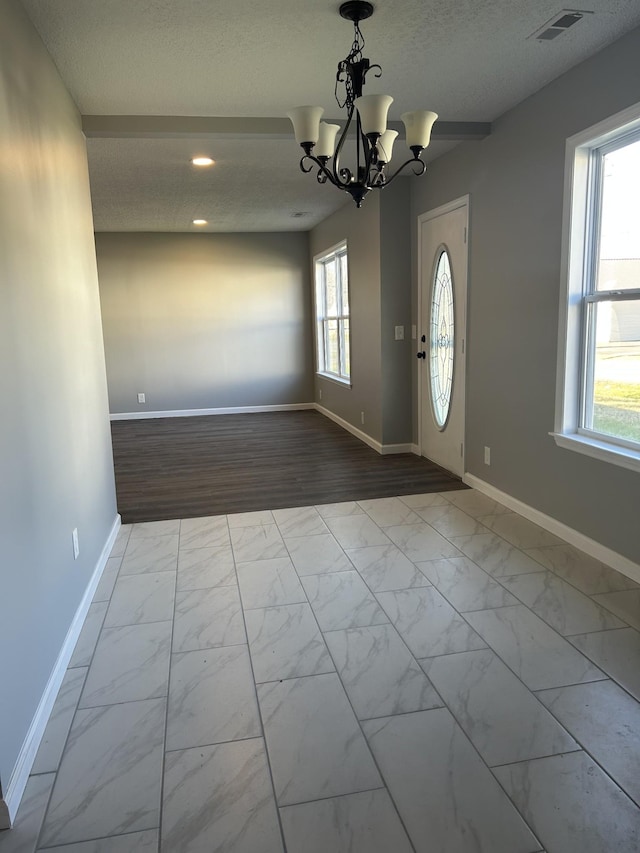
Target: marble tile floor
{"points": [[426, 674]]}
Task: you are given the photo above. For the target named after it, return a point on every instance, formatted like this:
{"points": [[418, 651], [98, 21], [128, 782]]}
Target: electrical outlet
{"points": [[142, 398], [76, 546], [487, 456], [362, 417], [320, 394]]}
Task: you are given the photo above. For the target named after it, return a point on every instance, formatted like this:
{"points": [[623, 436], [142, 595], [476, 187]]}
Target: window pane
{"points": [[346, 349], [619, 250], [616, 370], [320, 345], [441, 341], [332, 306], [332, 363], [344, 275], [330, 288]]}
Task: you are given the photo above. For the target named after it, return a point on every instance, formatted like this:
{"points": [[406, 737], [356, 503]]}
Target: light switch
{"points": [[399, 333]]}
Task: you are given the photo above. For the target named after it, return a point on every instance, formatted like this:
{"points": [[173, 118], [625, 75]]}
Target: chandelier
{"points": [[374, 143]]}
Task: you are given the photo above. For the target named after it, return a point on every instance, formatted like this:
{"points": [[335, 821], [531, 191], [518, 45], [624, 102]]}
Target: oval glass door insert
{"points": [[442, 342]]}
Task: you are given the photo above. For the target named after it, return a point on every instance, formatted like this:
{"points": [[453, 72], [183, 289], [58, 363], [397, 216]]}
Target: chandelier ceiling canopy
{"points": [[374, 143]]}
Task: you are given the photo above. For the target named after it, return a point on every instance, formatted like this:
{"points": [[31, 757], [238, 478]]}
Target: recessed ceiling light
{"points": [[202, 161], [199, 221]]}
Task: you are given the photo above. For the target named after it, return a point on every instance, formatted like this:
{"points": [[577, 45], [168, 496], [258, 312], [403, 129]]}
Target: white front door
{"points": [[442, 333]]}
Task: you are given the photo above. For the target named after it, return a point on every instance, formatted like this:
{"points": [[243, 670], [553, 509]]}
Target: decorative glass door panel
{"points": [[442, 340]]}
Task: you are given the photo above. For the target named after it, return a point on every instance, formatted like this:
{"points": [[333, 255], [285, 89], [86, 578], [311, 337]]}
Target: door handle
{"points": [[422, 354]]}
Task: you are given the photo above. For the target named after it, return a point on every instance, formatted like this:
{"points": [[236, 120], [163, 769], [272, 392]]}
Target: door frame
{"points": [[423, 218]]}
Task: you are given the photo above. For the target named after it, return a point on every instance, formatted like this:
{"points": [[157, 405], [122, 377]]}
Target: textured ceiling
{"points": [[469, 60], [150, 185]]}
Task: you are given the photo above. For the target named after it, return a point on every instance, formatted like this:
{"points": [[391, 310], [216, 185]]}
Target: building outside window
{"points": [[332, 314], [599, 365]]}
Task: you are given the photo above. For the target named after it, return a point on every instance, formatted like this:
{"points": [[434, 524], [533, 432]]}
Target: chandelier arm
{"points": [[360, 140], [367, 176], [371, 159], [370, 68], [337, 172], [422, 169], [322, 169]]}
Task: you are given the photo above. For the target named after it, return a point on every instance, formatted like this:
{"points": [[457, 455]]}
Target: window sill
{"points": [[346, 383], [606, 452]]}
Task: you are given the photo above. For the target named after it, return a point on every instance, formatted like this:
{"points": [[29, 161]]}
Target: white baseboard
{"points": [[371, 442], [188, 413], [595, 549], [20, 775], [415, 448], [390, 449], [382, 449]]}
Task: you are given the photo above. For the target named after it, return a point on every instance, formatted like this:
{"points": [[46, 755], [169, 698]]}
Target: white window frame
{"points": [[579, 233], [321, 325]]}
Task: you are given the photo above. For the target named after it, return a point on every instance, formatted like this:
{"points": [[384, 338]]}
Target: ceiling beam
{"points": [[175, 127]]}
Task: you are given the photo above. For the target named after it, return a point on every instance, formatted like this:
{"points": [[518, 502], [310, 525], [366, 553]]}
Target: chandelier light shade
{"points": [[326, 144], [306, 124], [385, 145], [373, 110], [373, 141], [418, 125]]}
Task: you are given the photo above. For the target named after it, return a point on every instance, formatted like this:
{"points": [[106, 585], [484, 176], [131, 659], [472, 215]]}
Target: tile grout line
{"points": [[97, 838], [214, 743], [166, 710], [259, 710], [335, 796], [622, 627]]}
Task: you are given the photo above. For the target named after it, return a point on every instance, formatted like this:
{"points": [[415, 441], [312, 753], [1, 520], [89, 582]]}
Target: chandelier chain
{"points": [[343, 76]]}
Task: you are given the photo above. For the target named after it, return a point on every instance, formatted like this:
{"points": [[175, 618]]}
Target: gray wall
{"points": [[56, 468], [379, 246], [199, 321], [361, 229], [515, 179], [395, 277]]}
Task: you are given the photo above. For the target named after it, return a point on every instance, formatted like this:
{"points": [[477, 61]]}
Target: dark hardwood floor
{"points": [[213, 465]]}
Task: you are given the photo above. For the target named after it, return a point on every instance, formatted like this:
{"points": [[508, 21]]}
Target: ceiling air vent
{"points": [[559, 24]]}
